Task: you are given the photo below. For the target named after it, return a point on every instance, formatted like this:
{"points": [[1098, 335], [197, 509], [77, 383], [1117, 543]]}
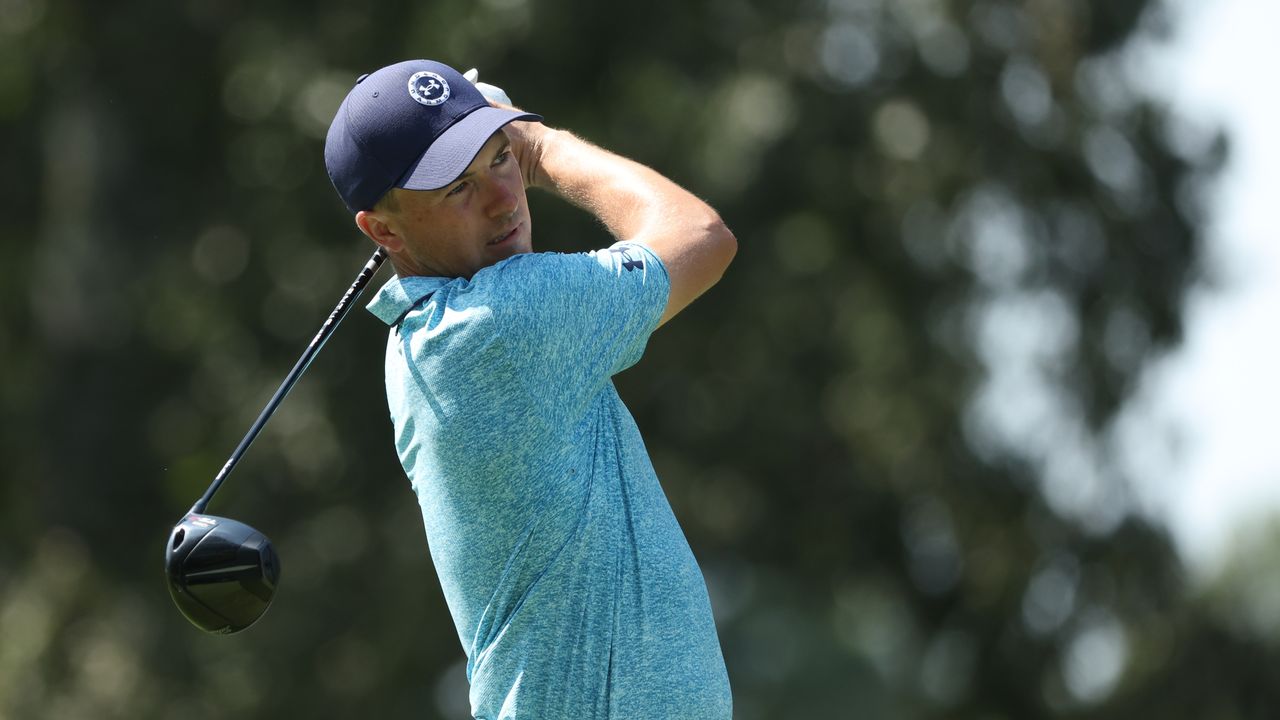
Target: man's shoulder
{"points": [[502, 274], [534, 273], [520, 282], [489, 301]]}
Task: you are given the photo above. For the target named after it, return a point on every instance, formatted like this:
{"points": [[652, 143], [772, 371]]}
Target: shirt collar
{"points": [[398, 296]]}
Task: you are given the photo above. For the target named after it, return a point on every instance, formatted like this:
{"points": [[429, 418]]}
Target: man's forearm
{"points": [[634, 203], [630, 199]]}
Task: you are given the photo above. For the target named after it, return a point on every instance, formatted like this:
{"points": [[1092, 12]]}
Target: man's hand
{"points": [[494, 94], [528, 139]]}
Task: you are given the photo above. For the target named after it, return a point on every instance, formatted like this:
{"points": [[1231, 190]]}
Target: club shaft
{"points": [[326, 330]]}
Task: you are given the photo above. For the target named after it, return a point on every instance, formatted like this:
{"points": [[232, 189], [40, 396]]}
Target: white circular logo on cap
{"points": [[428, 88]]}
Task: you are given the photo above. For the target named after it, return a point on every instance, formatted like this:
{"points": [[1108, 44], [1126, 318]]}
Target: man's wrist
{"points": [[538, 140]]}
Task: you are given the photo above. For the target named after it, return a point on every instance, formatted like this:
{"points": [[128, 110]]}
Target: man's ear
{"points": [[374, 225]]}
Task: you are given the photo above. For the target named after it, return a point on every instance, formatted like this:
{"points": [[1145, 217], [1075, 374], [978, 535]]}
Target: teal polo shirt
{"points": [[571, 585]]}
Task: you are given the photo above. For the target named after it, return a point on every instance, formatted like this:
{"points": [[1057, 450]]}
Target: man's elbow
{"points": [[723, 243]]}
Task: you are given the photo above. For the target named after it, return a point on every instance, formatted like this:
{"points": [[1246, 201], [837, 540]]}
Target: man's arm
{"points": [[634, 203]]}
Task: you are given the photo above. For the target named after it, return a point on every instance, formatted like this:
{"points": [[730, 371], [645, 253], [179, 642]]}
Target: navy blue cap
{"points": [[416, 125]]}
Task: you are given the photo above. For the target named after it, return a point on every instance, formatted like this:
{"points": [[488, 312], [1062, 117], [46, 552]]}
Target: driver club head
{"points": [[222, 573]]}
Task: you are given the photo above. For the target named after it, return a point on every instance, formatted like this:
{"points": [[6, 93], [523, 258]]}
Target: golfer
{"points": [[573, 590]]}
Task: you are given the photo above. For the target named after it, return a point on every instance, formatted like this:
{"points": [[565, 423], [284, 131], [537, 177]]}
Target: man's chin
{"points": [[518, 243]]}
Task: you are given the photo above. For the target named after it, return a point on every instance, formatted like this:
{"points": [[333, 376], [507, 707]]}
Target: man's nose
{"points": [[502, 200]]}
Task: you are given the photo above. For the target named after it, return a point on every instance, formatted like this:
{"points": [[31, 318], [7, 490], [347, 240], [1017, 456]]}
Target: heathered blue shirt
{"points": [[573, 590]]}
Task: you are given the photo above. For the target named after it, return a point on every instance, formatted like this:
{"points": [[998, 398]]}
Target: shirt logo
{"points": [[627, 261], [428, 88]]}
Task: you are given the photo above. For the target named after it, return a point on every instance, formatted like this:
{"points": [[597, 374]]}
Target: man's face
{"points": [[477, 220]]}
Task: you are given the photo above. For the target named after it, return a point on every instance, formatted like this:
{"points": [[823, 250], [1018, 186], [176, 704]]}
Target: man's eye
{"points": [[457, 189], [503, 156]]}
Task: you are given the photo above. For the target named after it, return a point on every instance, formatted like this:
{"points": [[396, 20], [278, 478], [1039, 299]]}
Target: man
{"points": [[572, 588]]}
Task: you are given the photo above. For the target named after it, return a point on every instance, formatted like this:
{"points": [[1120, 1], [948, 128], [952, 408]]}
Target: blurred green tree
{"points": [[964, 233]]}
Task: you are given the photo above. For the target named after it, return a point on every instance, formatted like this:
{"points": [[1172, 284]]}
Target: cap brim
{"points": [[453, 151]]}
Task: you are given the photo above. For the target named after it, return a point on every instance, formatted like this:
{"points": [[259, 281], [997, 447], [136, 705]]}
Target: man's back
{"points": [[572, 587]]}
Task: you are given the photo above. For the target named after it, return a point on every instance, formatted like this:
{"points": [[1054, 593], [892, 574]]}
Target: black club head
{"points": [[222, 573]]}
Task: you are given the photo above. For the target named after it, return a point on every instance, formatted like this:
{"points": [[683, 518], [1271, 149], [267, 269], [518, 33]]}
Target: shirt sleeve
{"points": [[572, 321]]}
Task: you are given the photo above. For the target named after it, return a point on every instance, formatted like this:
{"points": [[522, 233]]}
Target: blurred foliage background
{"points": [[886, 433]]}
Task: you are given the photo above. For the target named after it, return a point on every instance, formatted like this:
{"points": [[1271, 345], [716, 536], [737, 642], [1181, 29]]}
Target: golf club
{"points": [[222, 573]]}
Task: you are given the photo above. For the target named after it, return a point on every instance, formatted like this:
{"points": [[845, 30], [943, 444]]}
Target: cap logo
{"points": [[428, 88]]}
